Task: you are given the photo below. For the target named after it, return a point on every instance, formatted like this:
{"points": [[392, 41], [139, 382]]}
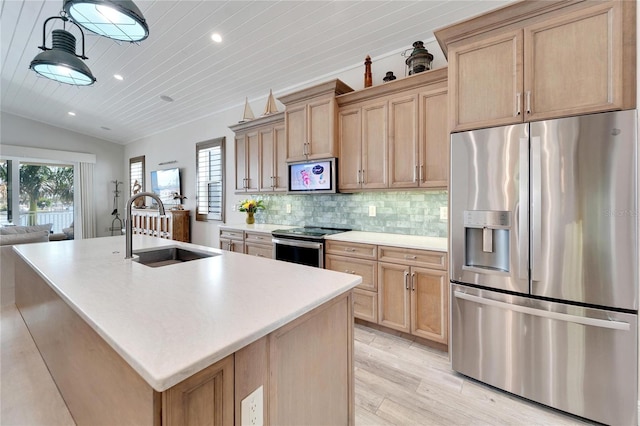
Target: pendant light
{"points": [[116, 19], [60, 62]]}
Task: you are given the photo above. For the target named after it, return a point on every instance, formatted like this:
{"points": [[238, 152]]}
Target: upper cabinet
{"points": [[311, 117], [395, 135], [539, 60], [260, 155]]}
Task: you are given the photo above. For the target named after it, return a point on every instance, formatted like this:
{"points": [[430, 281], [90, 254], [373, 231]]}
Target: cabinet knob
{"points": [[351, 249], [410, 257]]}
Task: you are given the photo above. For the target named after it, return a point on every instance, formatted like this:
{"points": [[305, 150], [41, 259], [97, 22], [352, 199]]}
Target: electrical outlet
{"points": [[234, 207], [252, 409], [288, 206], [444, 213], [372, 211]]}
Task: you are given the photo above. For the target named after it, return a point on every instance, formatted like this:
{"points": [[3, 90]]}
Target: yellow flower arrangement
{"points": [[251, 206]]}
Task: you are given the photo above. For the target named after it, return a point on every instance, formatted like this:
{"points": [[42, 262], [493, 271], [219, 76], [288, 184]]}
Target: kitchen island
{"points": [[130, 344]]}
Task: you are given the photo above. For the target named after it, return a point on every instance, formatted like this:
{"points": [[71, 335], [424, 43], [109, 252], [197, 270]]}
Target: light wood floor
{"points": [[398, 382]]}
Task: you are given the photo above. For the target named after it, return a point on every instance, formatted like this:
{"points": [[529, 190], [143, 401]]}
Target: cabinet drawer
{"points": [[424, 258], [258, 238], [363, 251], [259, 250], [367, 269], [231, 235], [365, 305]]}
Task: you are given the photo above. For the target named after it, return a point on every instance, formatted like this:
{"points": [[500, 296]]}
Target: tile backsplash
{"points": [[402, 212]]}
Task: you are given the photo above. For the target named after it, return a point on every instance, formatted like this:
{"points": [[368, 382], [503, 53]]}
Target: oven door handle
{"points": [[297, 243]]}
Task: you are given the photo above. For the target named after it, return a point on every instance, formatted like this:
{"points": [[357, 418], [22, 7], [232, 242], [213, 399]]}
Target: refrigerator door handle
{"points": [[523, 210], [592, 322], [536, 208]]}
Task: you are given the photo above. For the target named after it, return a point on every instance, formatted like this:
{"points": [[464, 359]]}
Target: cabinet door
{"points": [[241, 162], [350, 139], [266, 151], [321, 128], [280, 171], [433, 169], [486, 82], [295, 117], [365, 305], [259, 250], [393, 296], [231, 245], [573, 63], [403, 142], [367, 269], [374, 145], [205, 398], [253, 154], [429, 304]]}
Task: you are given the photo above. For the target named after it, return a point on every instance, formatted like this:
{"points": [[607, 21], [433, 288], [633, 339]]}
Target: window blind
{"points": [[210, 180], [136, 173]]}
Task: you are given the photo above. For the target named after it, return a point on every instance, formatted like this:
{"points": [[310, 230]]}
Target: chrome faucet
{"points": [[129, 226]]}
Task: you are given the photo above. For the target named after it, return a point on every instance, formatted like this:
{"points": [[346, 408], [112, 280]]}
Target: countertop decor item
{"points": [[250, 207], [389, 77], [368, 79], [419, 60], [178, 199]]}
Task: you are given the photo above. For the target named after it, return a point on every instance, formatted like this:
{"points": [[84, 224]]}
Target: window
{"points": [[6, 192], [210, 180], [136, 174]]}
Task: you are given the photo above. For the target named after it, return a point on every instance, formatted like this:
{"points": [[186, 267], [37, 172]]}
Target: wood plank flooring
{"points": [[398, 382]]}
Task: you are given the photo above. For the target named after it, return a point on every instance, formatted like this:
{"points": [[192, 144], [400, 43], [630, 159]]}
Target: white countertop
{"points": [[266, 228], [394, 240], [171, 322], [378, 238]]}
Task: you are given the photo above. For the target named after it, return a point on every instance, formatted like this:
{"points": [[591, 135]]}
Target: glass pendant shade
{"points": [[116, 19], [61, 64]]}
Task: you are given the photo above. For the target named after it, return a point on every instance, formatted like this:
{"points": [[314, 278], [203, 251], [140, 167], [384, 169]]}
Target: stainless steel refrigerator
{"points": [[544, 262]]}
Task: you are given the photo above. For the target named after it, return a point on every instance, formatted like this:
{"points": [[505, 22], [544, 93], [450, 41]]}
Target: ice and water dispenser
{"points": [[487, 239]]}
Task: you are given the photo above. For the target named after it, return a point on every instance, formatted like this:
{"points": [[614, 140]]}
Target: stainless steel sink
{"points": [[168, 256]]}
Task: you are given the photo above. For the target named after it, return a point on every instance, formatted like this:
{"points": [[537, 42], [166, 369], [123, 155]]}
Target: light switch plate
{"points": [[288, 207], [252, 409], [444, 213], [372, 211]]}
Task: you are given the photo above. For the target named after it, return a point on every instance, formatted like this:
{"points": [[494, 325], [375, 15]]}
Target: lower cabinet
{"points": [[232, 240], [413, 300], [402, 289], [248, 242], [258, 244], [206, 397]]}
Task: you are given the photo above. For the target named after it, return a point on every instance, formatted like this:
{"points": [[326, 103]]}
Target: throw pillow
{"points": [[11, 230]]}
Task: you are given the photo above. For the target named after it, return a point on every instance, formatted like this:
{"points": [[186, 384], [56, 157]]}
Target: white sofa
{"points": [[9, 236]]}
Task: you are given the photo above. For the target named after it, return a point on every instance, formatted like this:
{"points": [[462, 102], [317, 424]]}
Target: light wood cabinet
{"points": [[532, 61], [207, 397], [173, 226], [411, 298], [395, 135], [311, 121], [258, 244], [357, 259], [260, 156], [232, 240], [363, 146], [402, 289]]}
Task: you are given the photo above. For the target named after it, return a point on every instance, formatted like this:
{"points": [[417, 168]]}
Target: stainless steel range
{"points": [[302, 245]]}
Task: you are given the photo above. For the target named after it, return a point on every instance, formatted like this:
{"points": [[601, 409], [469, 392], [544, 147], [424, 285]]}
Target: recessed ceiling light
{"points": [[216, 37], [71, 113], [118, 77], [166, 98]]}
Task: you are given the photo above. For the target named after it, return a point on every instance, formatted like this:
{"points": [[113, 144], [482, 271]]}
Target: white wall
{"points": [[19, 131], [179, 143]]}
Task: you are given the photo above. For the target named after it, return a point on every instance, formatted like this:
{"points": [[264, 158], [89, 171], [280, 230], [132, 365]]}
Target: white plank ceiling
{"points": [[266, 45]]}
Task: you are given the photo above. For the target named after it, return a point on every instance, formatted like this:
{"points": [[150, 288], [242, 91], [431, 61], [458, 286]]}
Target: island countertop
{"points": [[171, 322]]}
